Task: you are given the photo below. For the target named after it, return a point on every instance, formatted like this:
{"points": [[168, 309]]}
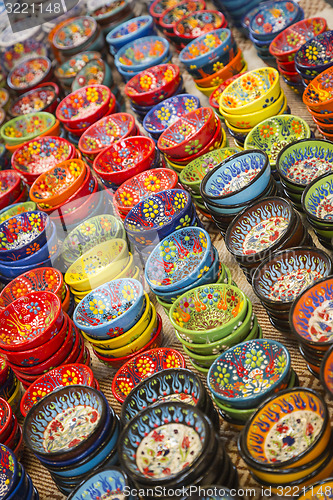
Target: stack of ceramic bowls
{"points": [[10, 389], [280, 278], [90, 443], [249, 100], [300, 163], [16, 481], [13, 189], [214, 98], [326, 371], [137, 27], [226, 190], [317, 205], [200, 455], [42, 98], [211, 59], [245, 375], [118, 319], [128, 157], [309, 322], [141, 54], [64, 375], [11, 431], [67, 71], [191, 136], [141, 186], [29, 73], [157, 216], [314, 57], [269, 21], [318, 98], [267, 444], [110, 15], [285, 45], [16, 49], [110, 480], [195, 24], [267, 225], [151, 86], [32, 351], [166, 16]]}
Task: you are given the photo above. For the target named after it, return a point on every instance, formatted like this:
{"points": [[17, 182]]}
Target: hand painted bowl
{"points": [[234, 66], [300, 443], [26, 127], [127, 31], [284, 275], [318, 95], [73, 374], [224, 185], [29, 73], [30, 321], [161, 116], [9, 470], [82, 108], [206, 49], [274, 18], [105, 132], [244, 375], [74, 34], [95, 72], [326, 371], [285, 44], [171, 16], [145, 365], [273, 134], [118, 303], [10, 187], [314, 56], [107, 481], [153, 85], [15, 53], [158, 7], [189, 134], [178, 259], [67, 71], [197, 23], [128, 157], [208, 313], [142, 53], [40, 99], [214, 99], [316, 199], [35, 157], [6, 416]]}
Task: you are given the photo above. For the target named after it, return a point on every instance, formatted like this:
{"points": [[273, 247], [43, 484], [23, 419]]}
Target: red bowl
{"points": [[11, 187], [153, 84], [126, 158], [50, 84], [287, 66], [292, 77], [12, 436], [23, 196], [320, 117], [215, 96], [18, 448], [26, 313], [30, 102], [4, 369], [67, 299], [6, 419], [78, 352], [18, 79]]}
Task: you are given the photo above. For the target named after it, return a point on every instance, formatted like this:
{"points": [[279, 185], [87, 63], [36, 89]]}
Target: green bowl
{"points": [[19, 208], [26, 127], [199, 368]]}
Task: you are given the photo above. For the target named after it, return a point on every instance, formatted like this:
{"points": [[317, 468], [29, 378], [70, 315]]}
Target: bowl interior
{"points": [[41, 154], [9, 470], [205, 45], [29, 73], [92, 73], [171, 16], [317, 200], [270, 18], [33, 101], [319, 91], [125, 154], [143, 51], [166, 113], [198, 23], [83, 103], [106, 131], [29, 125], [151, 80], [293, 37], [70, 68], [320, 46], [109, 481], [74, 33], [21, 230]]}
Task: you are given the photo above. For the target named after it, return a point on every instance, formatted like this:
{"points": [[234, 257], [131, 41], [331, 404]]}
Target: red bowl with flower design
{"points": [[82, 108], [10, 187], [6, 419], [70, 213], [153, 85], [39, 99], [29, 73], [197, 23]]}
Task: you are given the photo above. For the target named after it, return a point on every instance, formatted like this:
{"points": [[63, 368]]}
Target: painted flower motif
{"points": [[37, 395], [34, 148], [50, 278], [150, 209], [209, 295], [59, 173], [311, 53], [216, 81], [171, 361], [142, 240], [74, 169], [281, 363], [69, 378], [146, 82], [193, 147], [33, 308], [168, 250], [203, 240], [229, 102], [168, 75], [185, 129], [249, 83], [325, 81], [128, 293], [254, 358], [260, 19], [187, 304], [19, 290], [163, 114], [290, 6], [96, 306], [222, 376], [33, 248], [106, 224], [92, 94], [217, 66], [88, 228], [296, 126], [179, 201], [211, 40], [266, 131], [203, 271], [125, 387], [144, 366], [152, 183], [178, 319], [126, 198], [184, 222]]}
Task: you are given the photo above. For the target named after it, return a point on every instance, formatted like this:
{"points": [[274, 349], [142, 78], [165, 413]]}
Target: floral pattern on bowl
{"points": [[69, 69], [33, 101], [171, 16], [157, 8], [92, 73], [199, 22], [74, 32], [206, 45], [29, 73], [318, 198], [275, 18], [142, 53], [315, 55], [23, 50], [27, 126], [8, 471], [319, 93], [108, 483]]}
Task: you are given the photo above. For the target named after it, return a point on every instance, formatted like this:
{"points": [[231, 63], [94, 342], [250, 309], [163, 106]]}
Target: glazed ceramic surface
{"points": [[159, 6], [128, 30], [23, 50], [33, 101], [198, 23], [171, 16], [28, 73], [25, 127], [314, 56], [92, 73], [142, 53], [108, 483], [318, 200], [205, 47], [74, 32], [124, 154], [273, 134], [275, 18], [319, 93], [8, 471], [70, 68], [16, 209], [153, 85]]}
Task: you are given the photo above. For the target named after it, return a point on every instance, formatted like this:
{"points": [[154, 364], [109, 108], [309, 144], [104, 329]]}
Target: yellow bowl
{"points": [[127, 337], [134, 346], [207, 91], [251, 120], [99, 265]]}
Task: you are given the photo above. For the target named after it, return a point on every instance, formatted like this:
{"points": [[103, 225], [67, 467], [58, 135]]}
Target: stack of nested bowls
{"points": [[211, 59], [300, 163], [286, 44], [267, 444], [282, 276], [45, 97], [270, 19], [124, 159], [239, 180], [214, 98], [11, 431], [17, 483], [318, 98], [13, 189], [119, 320], [318, 208], [246, 375], [267, 225], [157, 216], [209, 319], [10, 390], [64, 375], [149, 87], [128, 31], [250, 99], [110, 15], [90, 441], [141, 186], [166, 15], [314, 57], [103, 262], [310, 323], [191, 136], [141, 54], [195, 24], [28, 240], [68, 70], [236, 10], [193, 451], [29, 73], [37, 336]]}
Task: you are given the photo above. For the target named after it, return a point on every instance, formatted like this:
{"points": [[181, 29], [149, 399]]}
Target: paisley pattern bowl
{"points": [[142, 53], [317, 199], [26, 127]]}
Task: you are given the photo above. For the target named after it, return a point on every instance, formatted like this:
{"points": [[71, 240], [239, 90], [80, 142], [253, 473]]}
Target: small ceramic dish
{"points": [[274, 18], [211, 82], [9, 470], [127, 31], [318, 46], [171, 16], [23, 49], [40, 99], [24, 128], [158, 7], [95, 72], [67, 71], [73, 34], [316, 200], [29, 73], [142, 53], [107, 481], [195, 24], [10, 188]]}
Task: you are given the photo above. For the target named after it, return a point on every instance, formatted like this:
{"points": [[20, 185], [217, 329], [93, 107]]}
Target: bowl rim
{"points": [[218, 15], [106, 469], [111, 38], [314, 67], [75, 56], [26, 89], [322, 370], [265, 36], [202, 58], [129, 45], [44, 114], [32, 91], [306, 191], [70, 21]]}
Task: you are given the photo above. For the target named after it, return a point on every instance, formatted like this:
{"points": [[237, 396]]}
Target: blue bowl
{"points": [[43, 253], [268, 15], [143, 44], [215, 64], [9, 470], [185, 56], [109, 482], [120, 36], [120, 304], [21, 487], [9, 273], [238, 179]]}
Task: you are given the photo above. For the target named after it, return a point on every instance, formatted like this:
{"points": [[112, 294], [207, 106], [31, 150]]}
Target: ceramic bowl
{"points": [[273, 134], [214, 99], [158, 7], [10, 470], [137, 27], [29, 73], [68, 70], [205, 49], [197, 23], [11, 187], [35, 157], [161, 116], [171, 16], [26, 127], [272, 20], [39, 99], [234, 66], [95, 72], [22, 49], [318, 95], [73, 34], [316, 200], [222, 309], [107, 481], [326, 371], [124, 295], [106, 132], [320, 47], [236, 375], [142, 53], [6, 418], [284, 275]]}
